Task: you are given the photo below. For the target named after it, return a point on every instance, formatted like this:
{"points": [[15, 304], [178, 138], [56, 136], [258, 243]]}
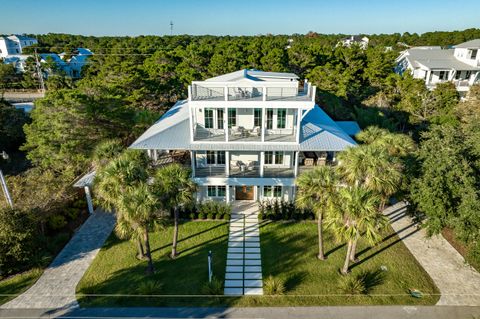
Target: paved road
{"points": [[56, 287], [359, 312], [458, 283]]}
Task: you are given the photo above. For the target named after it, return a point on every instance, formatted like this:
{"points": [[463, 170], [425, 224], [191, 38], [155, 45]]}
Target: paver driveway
{"points": [[56, 287]]}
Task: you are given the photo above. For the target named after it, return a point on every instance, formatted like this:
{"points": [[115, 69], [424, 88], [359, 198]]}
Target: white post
{"points": [[264, 94], [190, 115], [263, 123], [227, 163], [299, 121], [5, 190], [89, 199], [297, 153], [314, 92], [192, 162], [228, 193], [189, 93], [225, 92], [262, 160], [225, 122]]}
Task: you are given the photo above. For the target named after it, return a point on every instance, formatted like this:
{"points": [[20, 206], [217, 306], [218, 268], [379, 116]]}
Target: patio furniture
{"points": [[257, 131], [251, 165], [237, 131], [308, 162]]}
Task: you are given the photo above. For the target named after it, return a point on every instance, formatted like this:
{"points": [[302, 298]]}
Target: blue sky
{"points": [[244, 17]]}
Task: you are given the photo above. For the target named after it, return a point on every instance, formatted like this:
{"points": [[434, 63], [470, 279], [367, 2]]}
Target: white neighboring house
{"points": [[14, 44], [461, 65], [248, 134], [359, 40], [72, 66]]}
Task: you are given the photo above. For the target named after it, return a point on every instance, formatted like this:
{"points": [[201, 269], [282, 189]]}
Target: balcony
{"points": [[203, 92], [281, 172], [210, 171]]}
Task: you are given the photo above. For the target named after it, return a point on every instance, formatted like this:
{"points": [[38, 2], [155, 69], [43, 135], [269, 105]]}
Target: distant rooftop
{"points": [[472, 44], [436, 59], [253, 75]]}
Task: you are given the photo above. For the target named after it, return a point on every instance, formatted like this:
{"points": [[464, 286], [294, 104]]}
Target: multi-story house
{"points": [[248, 135], [460, 65], [14, 44], [358, 40]]}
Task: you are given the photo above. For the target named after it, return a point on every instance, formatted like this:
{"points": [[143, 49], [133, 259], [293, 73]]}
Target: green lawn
{"points": [[288, 253], [15, 285]]}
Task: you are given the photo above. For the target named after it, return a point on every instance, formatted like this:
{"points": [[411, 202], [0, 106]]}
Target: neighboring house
{"points": [[247, 135], [359, 40], [72, 67], [14, 44], [460, 65]]}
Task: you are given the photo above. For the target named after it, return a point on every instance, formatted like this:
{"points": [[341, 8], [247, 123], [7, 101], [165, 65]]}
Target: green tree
{"points": [[315, 191], [11, 127], [354, 215], [175, 189]]}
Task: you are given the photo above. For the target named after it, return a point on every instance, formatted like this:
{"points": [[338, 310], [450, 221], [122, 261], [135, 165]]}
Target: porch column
{"points": [[227, 163], [225, 122], [299, 121], [227, 194], [88, 195], [192, 162], [155, 155], [263, 121], [427, 80], [262, 160], [295, 172], [190, 116]]}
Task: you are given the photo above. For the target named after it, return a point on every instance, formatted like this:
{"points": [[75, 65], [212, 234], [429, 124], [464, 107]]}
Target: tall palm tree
{"points": [[138, 208], [315, 191], [106, 151], [398, 145], [174, 187], [353, 214]]}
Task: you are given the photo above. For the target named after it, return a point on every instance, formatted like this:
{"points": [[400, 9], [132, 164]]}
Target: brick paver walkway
{"points": [[459, 284], [244, 265], [56, 287]]}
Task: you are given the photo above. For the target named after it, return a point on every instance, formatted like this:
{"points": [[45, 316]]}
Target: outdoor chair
{"points": [[308, 162], [237, 130]]}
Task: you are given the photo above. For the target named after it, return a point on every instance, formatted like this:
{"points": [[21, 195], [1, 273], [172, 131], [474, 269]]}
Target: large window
{"points": [[269, 119], [272, 191], [281, 118], [257, 117], [274, 158], [458, 75], [215, 158], [443, 75], [220, 118], [216, 191], [232, 117], [208, 118], [473, 56]]}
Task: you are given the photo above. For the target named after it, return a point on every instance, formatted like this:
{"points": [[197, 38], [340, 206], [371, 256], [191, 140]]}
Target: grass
{"points": [[288, 255], [17, 284]]}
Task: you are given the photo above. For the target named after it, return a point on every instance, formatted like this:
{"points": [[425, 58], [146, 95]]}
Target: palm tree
{"points": [[114, 179], [106, 151], [353, 214], [138, 208], [398, 145], [174, 187], [315, 191]]}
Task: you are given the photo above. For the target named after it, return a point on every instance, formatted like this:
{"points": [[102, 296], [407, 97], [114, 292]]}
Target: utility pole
{"points": [[4, 183], [171, 27], [39, 72]]}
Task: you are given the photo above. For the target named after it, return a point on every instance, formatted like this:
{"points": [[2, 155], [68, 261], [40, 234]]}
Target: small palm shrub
{"points": [[215, 287], [149, 287], [210, 216], [201, 216], [273, 286], [351, 285]]}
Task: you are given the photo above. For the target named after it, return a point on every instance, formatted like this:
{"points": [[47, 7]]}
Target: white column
{"points": [[225, 122], [296, 163], [192, 162], [299, 121], [262, 160], [225, 92], [228, 193], [89, 199], [190, 115], [227, 163], [264, 119]]}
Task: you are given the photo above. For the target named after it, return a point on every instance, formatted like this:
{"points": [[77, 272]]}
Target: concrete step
{"points": [[253, 291], [251, 256], [252, 244], [231, 269], [249, 250], [233, 283], [253, 283], [235, 275], [233, 291], [235, 256], [252, 262], [255, 269], [252, 275], [234, 262], [236, 250]]}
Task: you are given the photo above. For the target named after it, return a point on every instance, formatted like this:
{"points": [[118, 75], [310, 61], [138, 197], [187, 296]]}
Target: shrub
{"points": [[273, 286], [56, 222], [261, 216], [210, 216], [226, 217], [17, 240], [149, 287], [201, 216], [215, 287], [214, 210], [352, 285], [192, 215]]}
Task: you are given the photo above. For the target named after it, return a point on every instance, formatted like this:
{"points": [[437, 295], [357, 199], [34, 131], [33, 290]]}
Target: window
{"points": [[443, 75], [211, 191], [281, 118], [279, 158], [215, 158], [232, 117], [210, 157], [268, 157], [473, 56], [274, 158], [208, 118], [216, 191], [467, 76], [220, 118], [458, 74], [272, 191], [269, 119], [257, 117], [277, 191]]}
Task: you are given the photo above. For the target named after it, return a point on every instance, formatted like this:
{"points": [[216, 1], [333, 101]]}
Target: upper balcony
{"points": [[268, 92]]}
